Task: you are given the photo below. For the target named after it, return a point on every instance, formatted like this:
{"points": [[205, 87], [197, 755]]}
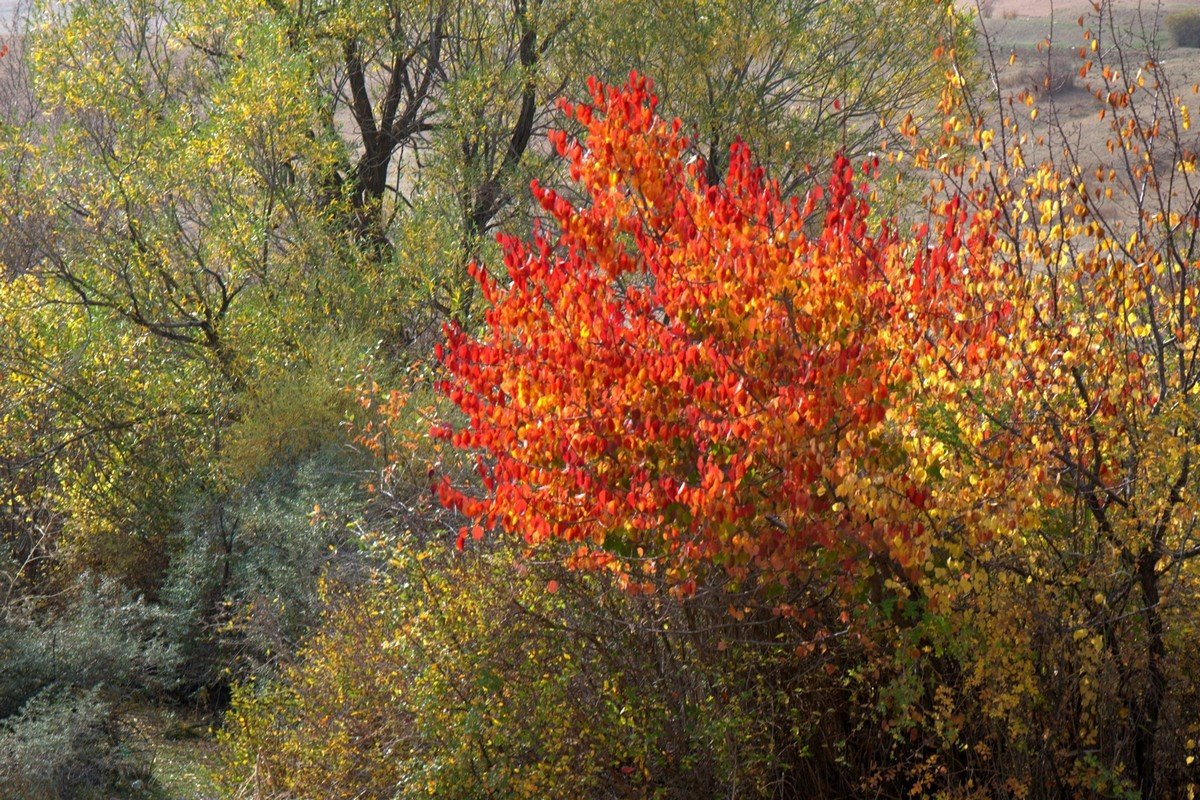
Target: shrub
{"points": [[59, 738], [441, 683], [1045, 71], [1184, 27], [105, 637], [294, 408], [463, 676], [65, 745], [243, 586]]}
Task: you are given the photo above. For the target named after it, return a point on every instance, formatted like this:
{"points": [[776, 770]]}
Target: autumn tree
{"points": [[208, 185], [680, 375]]}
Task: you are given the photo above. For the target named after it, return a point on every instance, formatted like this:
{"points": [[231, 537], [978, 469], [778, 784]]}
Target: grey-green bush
{"points": [[244, 586], [65, 745], [101, 636]]}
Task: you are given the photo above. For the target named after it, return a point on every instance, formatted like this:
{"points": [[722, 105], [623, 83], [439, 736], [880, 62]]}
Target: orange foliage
{"points": [[696, 374]]}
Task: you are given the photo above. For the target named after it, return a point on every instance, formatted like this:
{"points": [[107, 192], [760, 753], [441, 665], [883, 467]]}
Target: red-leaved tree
{"points": [[674, 375]]}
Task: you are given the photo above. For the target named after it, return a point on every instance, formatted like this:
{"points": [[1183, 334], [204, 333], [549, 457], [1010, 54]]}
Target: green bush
{"points": [[294, 408], [59, 659], [103, 637], [242, 587], [65, 744], [453, 680], [1184, 27]]}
